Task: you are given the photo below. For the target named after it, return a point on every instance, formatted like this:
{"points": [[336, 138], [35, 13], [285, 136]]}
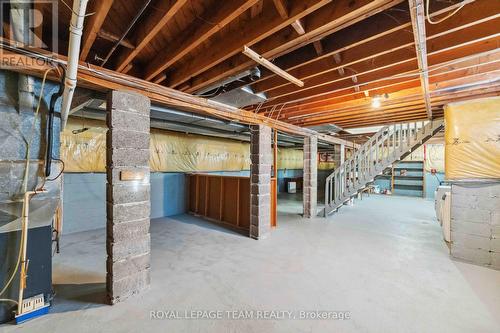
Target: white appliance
{"points": [[292, 187], [442, 204]]}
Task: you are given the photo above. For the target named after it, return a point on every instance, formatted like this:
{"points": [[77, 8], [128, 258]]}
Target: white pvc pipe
{"points": [[75, 30]]}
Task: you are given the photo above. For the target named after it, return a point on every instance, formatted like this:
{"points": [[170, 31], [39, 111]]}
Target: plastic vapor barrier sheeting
{"points": [[434, 157], [83, 149], [472, 135]]}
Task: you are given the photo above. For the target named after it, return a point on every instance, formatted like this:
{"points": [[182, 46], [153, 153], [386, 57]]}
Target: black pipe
{"points": [[53, 99]]}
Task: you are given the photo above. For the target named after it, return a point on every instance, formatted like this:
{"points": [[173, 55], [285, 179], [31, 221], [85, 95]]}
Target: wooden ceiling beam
{"points": [[363, 113], [219, 16], [114, 38], [349, 97], [371, 50], [383, 60], [397, 30], [403, 98], [318, 47], [146, 31], [417, 12], [438, 100], [362, 104], [281, 7], [334, 16], [102, 79], [465, 47], [299, 27], [231, 43], [93, 24], [269, 65], [256, 9], [385, 120], [469, 73]]}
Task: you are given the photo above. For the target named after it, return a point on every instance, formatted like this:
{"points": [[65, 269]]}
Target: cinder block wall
{"points": [[475, 223]]}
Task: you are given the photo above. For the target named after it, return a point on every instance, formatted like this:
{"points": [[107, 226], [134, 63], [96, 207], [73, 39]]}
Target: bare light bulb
{"points": [[376, 102]]}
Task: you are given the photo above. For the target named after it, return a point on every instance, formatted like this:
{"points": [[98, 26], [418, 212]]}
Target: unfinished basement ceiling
{"points": [[346, 52]]}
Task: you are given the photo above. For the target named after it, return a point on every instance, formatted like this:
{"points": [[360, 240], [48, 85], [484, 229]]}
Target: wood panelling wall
{"points": [[225, 200]]}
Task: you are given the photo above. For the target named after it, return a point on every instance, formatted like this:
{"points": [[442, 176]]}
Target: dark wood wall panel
{"points": [[225, 200], [230, 203], [244, 207], [214, 197]]}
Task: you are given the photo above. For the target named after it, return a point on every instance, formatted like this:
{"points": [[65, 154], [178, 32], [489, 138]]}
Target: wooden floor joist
{"points": [[335, 55], [101, 79]]}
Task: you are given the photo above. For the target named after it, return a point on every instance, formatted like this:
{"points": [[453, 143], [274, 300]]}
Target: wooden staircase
{"points": [[390, 144]]}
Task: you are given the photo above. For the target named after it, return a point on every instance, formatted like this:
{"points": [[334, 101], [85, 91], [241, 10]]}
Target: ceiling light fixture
{"points": [[376, 101]]}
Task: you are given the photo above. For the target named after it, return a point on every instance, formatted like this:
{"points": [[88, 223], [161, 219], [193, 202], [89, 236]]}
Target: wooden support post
{"points": [[274, 210]]}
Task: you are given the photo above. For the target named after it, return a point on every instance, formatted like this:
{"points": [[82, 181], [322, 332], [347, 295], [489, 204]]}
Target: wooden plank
{"points": [[221, 200], [214, 197], [444, 49], [207, 196], [93, 24], [218, 194], [101, 79], [114, 38], [298, 25], [475, 65], [438, 101], [238, 205], [269, 65], [244, 208], [281, 7], [219, 16], [443, 44], [197, 193], [256, 9], [232, 42], [230, 194], [369, 38], [334, 16], [417, 11], [275, 154], [274, 200], [165, 11], [318, 46], [466, 95]]}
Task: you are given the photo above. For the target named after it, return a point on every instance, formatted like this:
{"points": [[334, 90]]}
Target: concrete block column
{"points": [[260, 181], [475, 223], [310, 187], [127, 195]]}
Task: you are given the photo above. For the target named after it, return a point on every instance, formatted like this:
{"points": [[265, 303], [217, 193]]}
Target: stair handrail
{"points": [[342, 174]]}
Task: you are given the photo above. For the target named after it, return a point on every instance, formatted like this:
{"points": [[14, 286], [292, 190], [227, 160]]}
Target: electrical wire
{"points": [[60, 172], [7, 300], [464, 2], [25, 184]]}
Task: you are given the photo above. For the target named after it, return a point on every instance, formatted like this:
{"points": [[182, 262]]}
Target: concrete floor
{"points": [[392, 273]]}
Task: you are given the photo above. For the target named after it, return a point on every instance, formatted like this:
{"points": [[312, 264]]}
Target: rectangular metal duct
{"points": [[240, 97], [326, 128]]}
